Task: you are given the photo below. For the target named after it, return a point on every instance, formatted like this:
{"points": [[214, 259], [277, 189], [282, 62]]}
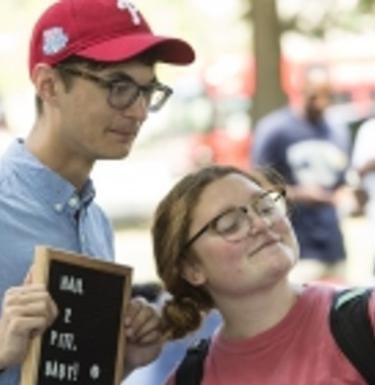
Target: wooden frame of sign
{"points": [[86, 342]]}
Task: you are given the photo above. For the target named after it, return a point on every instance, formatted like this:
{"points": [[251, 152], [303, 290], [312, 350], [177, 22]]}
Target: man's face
{"points": [[89, 126], [317, 99]]}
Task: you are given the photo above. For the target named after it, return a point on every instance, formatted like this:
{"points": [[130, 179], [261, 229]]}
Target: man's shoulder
{"points": [[8, 162], [7, 177], [276, 121]]}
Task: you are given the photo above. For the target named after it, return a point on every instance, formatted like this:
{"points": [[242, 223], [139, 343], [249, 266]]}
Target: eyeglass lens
{"points": [[235, 224], [124, 93]]}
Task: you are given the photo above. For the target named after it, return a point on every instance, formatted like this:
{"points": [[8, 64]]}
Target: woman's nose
{"points": [[258, 223]]}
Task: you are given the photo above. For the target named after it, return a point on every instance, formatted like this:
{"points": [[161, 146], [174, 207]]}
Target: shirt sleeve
{"points": [[363, 150], [266, 145], [171, 379]]}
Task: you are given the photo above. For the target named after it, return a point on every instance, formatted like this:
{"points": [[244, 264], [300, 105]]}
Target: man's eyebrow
{"points": [[118, 76]]}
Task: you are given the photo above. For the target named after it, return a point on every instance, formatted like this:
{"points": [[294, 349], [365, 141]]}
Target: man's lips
{"points": [[124, 133]]}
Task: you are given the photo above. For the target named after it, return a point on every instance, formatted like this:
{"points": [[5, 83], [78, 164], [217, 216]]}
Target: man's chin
{"points": [[115, 154], [314, 116]]}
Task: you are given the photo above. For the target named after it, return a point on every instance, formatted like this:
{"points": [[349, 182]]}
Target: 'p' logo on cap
{"points": [[70, 28], [131, 8]]}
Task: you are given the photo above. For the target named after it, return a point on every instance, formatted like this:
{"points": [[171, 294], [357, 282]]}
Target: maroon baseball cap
{"points": [[101, 30]]}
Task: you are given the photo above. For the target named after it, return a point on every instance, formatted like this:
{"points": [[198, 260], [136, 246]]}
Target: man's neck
{"points": [[69, 165]]}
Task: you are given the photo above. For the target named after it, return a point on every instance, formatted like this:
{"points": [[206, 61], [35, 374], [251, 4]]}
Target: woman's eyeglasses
{"points": [[235, 224]]}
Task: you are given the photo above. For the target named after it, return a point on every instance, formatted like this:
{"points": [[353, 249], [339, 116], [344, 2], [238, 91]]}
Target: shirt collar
{"points": [[44, 183]]}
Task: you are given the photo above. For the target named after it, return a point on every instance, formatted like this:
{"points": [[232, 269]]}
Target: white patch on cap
{"points": [[54, 41], [131, 8]]}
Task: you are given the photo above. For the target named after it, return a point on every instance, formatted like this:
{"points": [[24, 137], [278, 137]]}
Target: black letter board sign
{"points": [[85, 344]]}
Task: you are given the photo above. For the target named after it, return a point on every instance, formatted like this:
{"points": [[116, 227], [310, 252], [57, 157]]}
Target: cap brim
{"points": [[167, 50]]}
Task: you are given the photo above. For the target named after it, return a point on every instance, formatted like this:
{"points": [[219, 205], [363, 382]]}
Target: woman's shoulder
{"points": [[318, 294]]}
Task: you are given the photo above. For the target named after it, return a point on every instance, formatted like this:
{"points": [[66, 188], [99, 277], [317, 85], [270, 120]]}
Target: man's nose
{"points": [[138, 109]]}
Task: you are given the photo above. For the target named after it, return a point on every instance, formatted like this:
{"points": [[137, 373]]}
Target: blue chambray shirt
{"points": [[38, 206]]}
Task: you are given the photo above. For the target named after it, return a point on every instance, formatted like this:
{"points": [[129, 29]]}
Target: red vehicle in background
{"points": [[229, 87]]}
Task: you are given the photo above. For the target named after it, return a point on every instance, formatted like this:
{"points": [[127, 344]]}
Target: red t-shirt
{"points": [[299, 350]]}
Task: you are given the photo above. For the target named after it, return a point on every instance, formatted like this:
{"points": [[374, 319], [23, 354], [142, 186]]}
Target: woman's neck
{"points": [[258, 312]]}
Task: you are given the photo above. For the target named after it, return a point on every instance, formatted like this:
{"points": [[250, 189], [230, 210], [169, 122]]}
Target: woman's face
{"points": [[262, 256]]}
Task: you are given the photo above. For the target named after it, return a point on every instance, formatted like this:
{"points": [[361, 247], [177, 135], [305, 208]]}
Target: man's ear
{"points": [[46, 83], [192, 272]]}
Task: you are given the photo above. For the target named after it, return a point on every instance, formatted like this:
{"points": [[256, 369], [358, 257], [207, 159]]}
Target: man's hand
{"points": [[144, 339], [351, 201], [26, 312]]}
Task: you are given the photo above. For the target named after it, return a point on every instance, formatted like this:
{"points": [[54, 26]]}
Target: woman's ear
{"points": [[192, 272]]}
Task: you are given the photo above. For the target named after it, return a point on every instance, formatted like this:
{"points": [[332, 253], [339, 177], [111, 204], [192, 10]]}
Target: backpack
{"points": [[350, 326]]}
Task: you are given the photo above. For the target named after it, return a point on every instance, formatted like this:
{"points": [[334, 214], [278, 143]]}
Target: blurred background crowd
{"points": [[253, 56]]}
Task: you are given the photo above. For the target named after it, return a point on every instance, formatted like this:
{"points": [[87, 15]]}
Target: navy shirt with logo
{"points": [[306, 154]]}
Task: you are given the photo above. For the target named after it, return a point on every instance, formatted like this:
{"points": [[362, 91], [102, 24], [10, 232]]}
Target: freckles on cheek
{"points": [[229, 257]]}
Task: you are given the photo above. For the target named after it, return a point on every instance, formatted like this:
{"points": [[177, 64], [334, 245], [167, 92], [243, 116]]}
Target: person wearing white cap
{"points": [[92, 65]]}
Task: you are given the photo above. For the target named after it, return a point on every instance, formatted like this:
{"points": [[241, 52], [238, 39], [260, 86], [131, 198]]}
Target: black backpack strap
{"points": [[352, 329], [190, 370]]}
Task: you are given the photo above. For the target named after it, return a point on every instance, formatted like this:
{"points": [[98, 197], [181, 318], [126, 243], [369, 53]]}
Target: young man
{"points": [[312, 155], [92, 65]]}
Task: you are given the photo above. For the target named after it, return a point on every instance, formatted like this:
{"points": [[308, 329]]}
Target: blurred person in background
{"points": [[313, 157], [95, 84], [222, 239], [362, 174]]}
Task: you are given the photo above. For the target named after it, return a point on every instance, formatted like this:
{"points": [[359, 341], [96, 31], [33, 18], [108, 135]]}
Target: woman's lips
{"points": [[263, 245]]}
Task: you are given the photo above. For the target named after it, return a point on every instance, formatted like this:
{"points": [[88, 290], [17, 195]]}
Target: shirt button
{"points": [[73, 202], [58, 207]]}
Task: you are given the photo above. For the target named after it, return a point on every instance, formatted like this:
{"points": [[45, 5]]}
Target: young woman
{"points": [[222, 238]]}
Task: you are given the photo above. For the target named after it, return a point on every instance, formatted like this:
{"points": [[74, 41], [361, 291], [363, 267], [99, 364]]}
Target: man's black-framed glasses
{"points": [[122, 93], [235, 223]]}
